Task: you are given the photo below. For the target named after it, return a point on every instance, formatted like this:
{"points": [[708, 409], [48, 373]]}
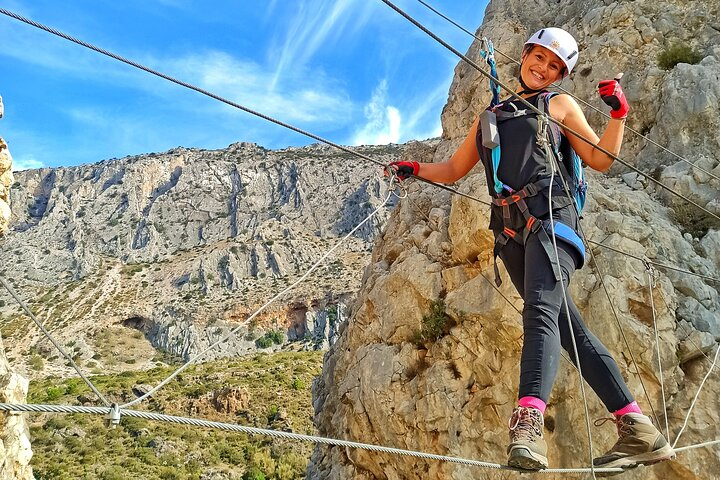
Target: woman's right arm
{"points": [[459, 164]]}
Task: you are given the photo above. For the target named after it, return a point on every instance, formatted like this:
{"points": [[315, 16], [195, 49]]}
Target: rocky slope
{"points": [[384, 383], [182, 246]]}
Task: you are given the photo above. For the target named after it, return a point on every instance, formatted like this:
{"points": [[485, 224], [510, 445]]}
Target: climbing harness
{"points": [[510, 205]]}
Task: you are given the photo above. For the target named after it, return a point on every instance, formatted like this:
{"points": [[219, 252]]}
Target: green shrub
{"points": [[298, 384], [53, 393], [254, 473], [676, 53], [434, 324], [273, 336], [276, 336]]}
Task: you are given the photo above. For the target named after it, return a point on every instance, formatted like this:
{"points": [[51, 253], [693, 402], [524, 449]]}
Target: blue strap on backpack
{"points": [[572, 169]]}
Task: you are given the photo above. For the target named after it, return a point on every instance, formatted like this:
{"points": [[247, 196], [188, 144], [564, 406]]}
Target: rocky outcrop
{"points": [[384, 383], [15, 450], [6, 181]]}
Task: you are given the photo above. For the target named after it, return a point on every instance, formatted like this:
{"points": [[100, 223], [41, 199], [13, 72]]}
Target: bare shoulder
{"points": [[562, 106]]}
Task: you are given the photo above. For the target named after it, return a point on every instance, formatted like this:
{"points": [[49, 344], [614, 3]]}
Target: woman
{"points": [[533, 263]]}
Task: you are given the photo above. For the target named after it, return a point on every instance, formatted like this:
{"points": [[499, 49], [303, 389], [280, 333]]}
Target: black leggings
{"points": [[546, 326]]}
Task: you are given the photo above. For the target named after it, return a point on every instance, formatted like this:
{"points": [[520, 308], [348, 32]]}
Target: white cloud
{"points": [[387, 123], [26, 163], [324, 21], [383, 120], [310, 97], [306, 96]]}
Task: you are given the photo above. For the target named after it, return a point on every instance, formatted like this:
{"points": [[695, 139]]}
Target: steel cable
{"points": [[587, 104], [537, 111]]}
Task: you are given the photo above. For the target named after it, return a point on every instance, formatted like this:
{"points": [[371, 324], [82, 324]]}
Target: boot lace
{"points": [[624, 429], [525, 424]]}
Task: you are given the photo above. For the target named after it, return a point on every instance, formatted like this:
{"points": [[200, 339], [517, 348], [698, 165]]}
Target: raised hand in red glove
{"points": [[612, 94], [404, 170]]}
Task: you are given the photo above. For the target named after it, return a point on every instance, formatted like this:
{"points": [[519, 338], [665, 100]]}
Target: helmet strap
{"points": [[526, 89]]}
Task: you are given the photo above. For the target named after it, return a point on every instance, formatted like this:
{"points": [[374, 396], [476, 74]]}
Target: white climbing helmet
{"points": [[560, 42]]}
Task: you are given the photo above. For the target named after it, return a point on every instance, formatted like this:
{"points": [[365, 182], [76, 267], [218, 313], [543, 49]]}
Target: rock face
{"points": [[385, 384], [6, 180], [15, 451]]}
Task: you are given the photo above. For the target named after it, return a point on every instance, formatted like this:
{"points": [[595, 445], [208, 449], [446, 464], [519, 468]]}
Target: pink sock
{"points": [[629, 408], [532, 402]]}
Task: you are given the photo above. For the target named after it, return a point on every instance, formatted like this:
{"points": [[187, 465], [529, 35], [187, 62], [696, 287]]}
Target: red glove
{"points": [[404, 170], [612, 94]]}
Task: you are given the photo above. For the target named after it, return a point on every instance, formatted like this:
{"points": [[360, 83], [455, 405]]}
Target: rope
{"points": [[555, 85], [537, 111], [692, 405], [287, 289], [568, 130], [542, 136], [651, 285], [296, 129], [217, 97], [42, 328], [277, 434], [699, 445], [112, 411], [661, 265]]}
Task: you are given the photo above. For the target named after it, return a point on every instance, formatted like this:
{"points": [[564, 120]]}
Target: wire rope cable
{"points": [[278, 434], [656, 264], [587, 104], [545, 143], [216, 97], [232, 332], [537, 111], [47, 334], [567, 130], [698, 445], [651, 286], [692, 405], [116, 412]]}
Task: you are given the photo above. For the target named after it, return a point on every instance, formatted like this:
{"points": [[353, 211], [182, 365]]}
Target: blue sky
{"points": [[352, 71]]}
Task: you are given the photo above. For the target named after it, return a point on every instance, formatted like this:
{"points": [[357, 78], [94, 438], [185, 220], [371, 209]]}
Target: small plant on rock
{"points": [[678, 52], [435, 324]]}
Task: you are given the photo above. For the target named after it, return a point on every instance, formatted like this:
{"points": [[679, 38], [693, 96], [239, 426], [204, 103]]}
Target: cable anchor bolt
{"points": [[112, 419], [652, 272]]}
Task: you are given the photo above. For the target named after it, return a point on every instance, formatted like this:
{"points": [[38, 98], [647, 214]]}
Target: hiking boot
{"points": [[527, 449], [640, 443]]}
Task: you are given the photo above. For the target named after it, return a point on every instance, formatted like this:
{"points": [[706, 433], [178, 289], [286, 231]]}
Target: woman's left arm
{"points": [[565, 109]]}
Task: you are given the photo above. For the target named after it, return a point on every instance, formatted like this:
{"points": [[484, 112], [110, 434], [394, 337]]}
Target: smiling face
{"points": [[541, 67]]}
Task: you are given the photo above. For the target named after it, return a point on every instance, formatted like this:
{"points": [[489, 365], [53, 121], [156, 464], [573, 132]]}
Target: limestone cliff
{"points": [[383, 384], [170, 251], [15, 452], [6, 180]]}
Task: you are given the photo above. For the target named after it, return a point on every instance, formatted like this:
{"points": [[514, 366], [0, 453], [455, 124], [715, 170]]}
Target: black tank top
{"points": [[522, 159]]}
